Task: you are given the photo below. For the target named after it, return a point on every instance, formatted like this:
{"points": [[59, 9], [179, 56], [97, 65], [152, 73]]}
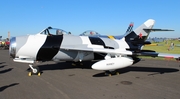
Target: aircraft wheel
{"points": [[39, 74], [73, 64], [35, 70], [108, 73], [117, 73], [29, 74]]}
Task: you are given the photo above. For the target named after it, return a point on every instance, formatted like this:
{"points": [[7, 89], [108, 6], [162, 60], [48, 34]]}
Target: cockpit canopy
{"points": [[90, 33], [53, 31]]}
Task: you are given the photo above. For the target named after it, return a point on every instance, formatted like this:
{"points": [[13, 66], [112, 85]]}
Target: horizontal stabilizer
{"points": [[154, 30]]}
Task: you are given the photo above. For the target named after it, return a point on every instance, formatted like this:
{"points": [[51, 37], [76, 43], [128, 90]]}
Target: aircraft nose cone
{"points": [[12, 47]]}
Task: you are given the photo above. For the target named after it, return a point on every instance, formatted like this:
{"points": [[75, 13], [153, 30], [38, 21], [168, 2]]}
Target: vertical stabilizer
{"points": [[140, 34], [130, 28], [136, 39]]}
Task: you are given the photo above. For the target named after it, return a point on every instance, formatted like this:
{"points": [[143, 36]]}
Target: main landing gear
{"points": [[34, 70], [110, 73], [77, 63]]}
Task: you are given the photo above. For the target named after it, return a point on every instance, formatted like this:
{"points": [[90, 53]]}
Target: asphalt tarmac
{"points": [[148, 79]]}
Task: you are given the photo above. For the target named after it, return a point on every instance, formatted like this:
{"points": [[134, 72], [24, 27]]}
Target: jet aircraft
{"points": [[53, 44], [96, 34]]}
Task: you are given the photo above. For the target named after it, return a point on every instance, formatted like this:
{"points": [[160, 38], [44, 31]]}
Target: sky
{"points": [[107, 17]]}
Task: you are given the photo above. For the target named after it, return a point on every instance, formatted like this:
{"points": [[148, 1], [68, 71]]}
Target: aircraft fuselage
{"points": [[44, 48]]}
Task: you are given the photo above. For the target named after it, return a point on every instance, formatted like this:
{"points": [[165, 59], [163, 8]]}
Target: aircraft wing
{"points": [[101, 49], [176, 56], [155, 54], [96, 48]]}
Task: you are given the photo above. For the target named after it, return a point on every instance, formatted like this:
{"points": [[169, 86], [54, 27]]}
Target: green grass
{"points": [[163, 48]]}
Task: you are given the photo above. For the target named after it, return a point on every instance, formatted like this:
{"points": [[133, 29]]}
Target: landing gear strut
{"points": [[34, 70], [110, 73]]}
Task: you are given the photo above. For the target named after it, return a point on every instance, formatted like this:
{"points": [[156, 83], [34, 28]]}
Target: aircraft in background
{"points": [[53, 44], [96, 34]]}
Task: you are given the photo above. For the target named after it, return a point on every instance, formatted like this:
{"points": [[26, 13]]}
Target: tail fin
{"points": [[129, 29], [137, 38], [140, 34]]}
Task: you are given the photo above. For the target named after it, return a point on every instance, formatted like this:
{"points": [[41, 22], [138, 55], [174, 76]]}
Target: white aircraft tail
{"points": [[141, 33], [137, 38]]}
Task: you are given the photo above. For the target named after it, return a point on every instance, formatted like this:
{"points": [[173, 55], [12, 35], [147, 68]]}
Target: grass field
{"points": [[163, 47]]}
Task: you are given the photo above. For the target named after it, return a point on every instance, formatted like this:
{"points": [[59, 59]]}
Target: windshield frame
{"points": [[52, 31]]}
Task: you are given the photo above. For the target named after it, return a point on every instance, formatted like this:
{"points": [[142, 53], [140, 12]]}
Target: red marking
{"points": [[131, 24], [168, 57], [140, 36]]}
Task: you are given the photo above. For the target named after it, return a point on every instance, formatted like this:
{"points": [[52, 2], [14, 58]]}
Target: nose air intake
{"points": [[12, 47]]}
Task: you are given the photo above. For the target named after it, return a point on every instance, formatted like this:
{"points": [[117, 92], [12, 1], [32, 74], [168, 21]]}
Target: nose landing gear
{"points": [[34, 70]]}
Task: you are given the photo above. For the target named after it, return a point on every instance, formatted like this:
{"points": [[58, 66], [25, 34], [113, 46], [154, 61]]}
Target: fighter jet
{"points": [[54, 44], [96, 34]]}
